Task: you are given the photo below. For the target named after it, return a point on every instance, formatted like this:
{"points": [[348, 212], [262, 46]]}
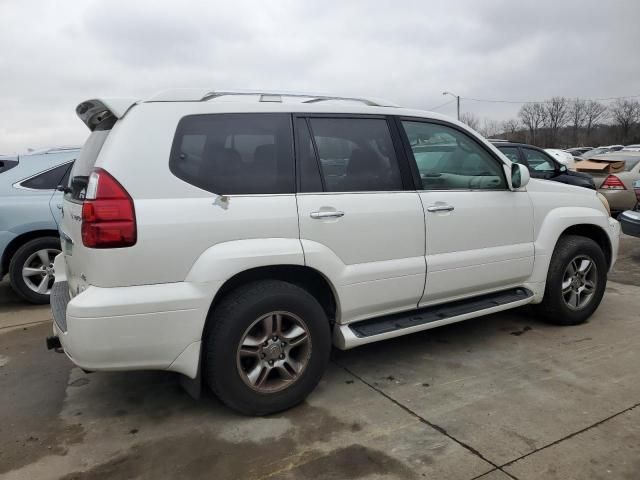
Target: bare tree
{"points": [[490, 128], [557, 116], [471, 120], [511, 126], [533, 116], [578, 115], [594, 112], [625, 113]]}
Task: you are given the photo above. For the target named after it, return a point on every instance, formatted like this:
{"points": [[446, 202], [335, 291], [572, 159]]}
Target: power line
{"points": [[442, 105], [541, 101]]}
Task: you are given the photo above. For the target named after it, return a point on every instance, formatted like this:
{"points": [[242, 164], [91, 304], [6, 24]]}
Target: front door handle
{"points": [[440, 207], [327, 214]]}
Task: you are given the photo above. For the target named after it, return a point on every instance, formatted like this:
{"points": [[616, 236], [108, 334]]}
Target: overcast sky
{"points": [[55, 54]]}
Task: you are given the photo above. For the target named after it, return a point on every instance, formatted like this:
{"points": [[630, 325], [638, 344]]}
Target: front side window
{"points": [[355, 154], [511, 153], [235, 153], [50, 179], [449, 159], [538, 161]]}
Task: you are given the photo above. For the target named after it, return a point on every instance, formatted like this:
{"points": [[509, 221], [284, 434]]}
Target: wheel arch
{"points": [[303, 276], [595, 233], [13, 246]]}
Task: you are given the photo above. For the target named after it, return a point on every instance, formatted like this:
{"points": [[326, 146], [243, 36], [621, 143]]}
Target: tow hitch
{"points": [[53, 343]]}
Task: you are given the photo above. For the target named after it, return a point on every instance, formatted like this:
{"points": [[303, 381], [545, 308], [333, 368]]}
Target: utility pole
{"points": [[457, 97]]}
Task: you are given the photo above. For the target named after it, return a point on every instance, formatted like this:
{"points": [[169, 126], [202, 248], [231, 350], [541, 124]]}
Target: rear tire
{"points": [[576, 281], [28, 269], [267, 345]]}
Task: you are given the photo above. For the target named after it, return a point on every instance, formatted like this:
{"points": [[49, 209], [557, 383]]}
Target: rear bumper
{"points": [[156, 327], [619, 200], [630, 222]]}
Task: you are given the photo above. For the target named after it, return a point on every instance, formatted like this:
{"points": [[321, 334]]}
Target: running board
{"points": [[388, 326]]}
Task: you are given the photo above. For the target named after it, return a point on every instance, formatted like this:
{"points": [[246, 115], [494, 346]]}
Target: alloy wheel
{"points": [[579, 282], [37, 271], [273, 352]]}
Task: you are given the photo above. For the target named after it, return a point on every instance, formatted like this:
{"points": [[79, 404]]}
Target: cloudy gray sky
{"points": [[55, 54]]}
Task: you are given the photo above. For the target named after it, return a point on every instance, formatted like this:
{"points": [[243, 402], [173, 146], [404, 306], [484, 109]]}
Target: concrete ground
{"points": [[499, 397]]}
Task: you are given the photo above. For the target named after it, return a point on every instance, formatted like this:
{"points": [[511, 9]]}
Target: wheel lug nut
{"points": [[275, 339], [281, 356], [270, 362], [265, 344], [283, 344]]}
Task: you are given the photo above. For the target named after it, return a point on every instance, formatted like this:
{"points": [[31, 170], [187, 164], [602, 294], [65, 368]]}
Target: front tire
{"points": [[267, 345], [31, 269], [576, 281]]}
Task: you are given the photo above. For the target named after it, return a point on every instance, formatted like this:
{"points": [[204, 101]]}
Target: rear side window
{"points": [[50, 179], [234, 153], [355, 154], [7, 165]]}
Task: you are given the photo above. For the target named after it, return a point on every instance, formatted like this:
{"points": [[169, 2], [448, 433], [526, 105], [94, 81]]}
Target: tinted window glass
{"points": [[235, 153], [538, 161], [448, 159], [7, 165], [511, 153], [310, 180], [356, 154], [50, 179]]}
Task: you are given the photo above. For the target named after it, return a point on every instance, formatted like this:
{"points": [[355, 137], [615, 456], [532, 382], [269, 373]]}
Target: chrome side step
{"points": [[389, 326]]}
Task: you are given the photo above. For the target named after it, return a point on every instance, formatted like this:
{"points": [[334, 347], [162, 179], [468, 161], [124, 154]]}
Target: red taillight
{"points": [[637, 190], [613, 183], [108, 217]]}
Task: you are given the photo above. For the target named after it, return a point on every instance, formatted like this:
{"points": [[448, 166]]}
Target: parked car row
{"points": [[30, 207], [542, 165]]}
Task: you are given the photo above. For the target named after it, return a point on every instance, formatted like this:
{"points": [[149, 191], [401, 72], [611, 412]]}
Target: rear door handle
{"points": [[327, 214], [441, 207]]}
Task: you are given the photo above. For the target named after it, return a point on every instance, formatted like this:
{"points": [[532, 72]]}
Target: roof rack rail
{"points": [[276, 96]]}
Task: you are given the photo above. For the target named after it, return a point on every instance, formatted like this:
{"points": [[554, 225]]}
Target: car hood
{"points": [[571, 173]]}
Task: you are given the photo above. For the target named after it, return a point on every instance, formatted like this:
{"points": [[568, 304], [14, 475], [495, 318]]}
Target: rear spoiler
{"points": [[93, 111]]}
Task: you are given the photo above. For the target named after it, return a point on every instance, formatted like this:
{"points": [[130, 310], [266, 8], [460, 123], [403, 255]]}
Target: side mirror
{"points": [[519, 175]]}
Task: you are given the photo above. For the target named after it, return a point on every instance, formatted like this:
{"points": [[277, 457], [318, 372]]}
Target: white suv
{"points": [[234, 237]]}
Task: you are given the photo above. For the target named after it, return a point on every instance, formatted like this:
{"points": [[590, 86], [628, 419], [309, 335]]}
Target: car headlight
{"points": [[605, 202]]}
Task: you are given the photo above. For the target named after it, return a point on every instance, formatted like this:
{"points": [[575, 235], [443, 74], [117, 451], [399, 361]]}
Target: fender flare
{"points": [[555, 223]]}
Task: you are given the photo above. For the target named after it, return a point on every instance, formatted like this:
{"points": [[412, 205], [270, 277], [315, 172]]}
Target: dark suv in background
{"points": [[542, 165]]}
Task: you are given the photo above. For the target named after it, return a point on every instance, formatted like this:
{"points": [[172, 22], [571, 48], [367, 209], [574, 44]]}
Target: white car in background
{"points": [[563, 157]]}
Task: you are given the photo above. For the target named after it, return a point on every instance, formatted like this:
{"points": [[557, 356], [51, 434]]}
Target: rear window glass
{"points": [[50, 179], [235, 153], [629, 164]]}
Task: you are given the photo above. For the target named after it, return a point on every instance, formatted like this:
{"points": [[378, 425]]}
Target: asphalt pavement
{"points": [[504, 396]]}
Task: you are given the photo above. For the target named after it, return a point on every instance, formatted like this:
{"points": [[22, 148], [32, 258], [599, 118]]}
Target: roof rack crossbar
{"points": [[313, 98]]}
